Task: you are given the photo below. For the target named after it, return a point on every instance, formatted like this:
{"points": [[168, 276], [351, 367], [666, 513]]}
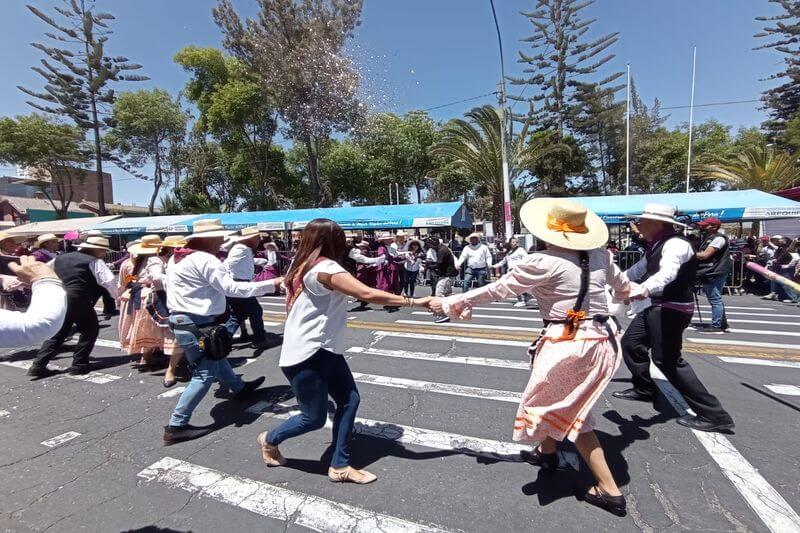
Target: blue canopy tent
{"points": [[728, 206], [433, 215], [141, 225], [445, 214]]}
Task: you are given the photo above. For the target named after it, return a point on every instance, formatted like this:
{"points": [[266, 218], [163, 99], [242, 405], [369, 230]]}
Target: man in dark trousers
{"points": [[713, 271], [442, 265], [667, 272], [85, 276]]}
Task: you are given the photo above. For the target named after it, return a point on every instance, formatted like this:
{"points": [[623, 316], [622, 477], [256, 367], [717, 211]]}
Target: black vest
{"points": [[76, 274], [681, 289], [720, 263]]}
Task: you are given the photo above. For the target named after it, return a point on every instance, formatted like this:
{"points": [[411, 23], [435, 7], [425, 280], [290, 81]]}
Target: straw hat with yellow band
{"points": [[148, 245], [564, 223], [174, 241]]}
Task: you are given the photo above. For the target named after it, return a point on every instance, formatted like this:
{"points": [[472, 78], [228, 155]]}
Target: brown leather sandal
{"points": [[349, 474], [271, 454]]}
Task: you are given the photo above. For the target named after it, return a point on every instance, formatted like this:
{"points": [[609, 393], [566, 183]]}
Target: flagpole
{"points": [[628, 137], [691, 118]]}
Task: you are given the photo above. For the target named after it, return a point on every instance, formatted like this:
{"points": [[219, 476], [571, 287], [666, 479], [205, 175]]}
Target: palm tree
{"points": [[760, 167], [472, 145]]}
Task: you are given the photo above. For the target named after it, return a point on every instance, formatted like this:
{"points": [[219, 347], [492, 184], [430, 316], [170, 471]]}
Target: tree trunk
{"points": [[419, 193], [98, 152], [313, 171], [498, 217], [157, 182]]}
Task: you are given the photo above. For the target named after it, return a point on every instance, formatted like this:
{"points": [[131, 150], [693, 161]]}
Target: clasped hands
{"points": [[431, 303]]}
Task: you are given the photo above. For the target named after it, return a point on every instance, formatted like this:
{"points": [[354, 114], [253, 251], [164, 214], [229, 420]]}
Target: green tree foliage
{"points": [[759, 167], [472, 147], [78, 74], [400, 149], [782, 33], [562, 71], [295, 47], [54, 153], [144, 123], [236, 110]]}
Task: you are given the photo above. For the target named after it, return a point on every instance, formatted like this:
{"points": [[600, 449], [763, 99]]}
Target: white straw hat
{"points": [[148, 245], [95, 243], [564, 223], [210, 227], [660, 212], [47, 237], [246, 233]]}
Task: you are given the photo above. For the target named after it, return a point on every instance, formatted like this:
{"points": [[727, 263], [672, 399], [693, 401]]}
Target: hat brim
{"points": [[86, 246], [659, 218], [210, 234], [138, 249], [240, 238], [534, 217]]}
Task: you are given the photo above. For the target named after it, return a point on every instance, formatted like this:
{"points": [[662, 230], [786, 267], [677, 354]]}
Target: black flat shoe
{"points": [[548, 461], [615, 505], [635, 395], [176, 434], [43, 372], [703, 424]]}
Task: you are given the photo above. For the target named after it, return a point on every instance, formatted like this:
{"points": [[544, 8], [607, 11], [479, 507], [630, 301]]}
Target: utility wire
{"points": [[493, 93]]}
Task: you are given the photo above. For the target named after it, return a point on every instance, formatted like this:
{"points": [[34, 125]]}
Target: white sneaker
{"points": [[520, 304], [770, 296]]}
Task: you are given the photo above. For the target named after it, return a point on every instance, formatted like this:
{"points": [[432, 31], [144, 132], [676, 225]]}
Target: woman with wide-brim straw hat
{"points": [[578, 351]]}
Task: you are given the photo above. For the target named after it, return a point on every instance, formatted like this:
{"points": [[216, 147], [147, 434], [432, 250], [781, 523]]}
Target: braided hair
{"points": [[584, 263]]}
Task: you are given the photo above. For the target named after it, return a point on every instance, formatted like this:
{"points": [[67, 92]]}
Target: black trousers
{"points": [[109, 305], [80, 313], [660, 332], [434, 277]]}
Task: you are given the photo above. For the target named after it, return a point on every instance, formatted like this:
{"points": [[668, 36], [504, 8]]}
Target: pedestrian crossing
{"points": [[298, 507]]}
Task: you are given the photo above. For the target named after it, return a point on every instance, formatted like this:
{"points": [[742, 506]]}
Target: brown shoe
{"points": [[271, 454], [349, 474]]}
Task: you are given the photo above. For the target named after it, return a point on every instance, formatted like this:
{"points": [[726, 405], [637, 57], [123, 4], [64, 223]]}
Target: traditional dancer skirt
{"points": [[127, 316], [567, 378], [146, 334]]}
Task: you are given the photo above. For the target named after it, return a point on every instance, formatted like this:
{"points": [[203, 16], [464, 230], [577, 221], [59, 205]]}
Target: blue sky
{"points": [[417, 54]]}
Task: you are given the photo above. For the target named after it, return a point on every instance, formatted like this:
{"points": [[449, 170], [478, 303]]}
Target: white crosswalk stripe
{"points": [[466, 360], [292, 507], [92, 377], [428, 438], [380, 334], [786, 390], [465, 325], [439, 388], [730, 342], [760, 362], [61, 439], [498, 317]]}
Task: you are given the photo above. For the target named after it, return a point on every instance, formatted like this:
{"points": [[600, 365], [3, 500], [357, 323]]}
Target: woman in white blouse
{"points": [[317, 288]]}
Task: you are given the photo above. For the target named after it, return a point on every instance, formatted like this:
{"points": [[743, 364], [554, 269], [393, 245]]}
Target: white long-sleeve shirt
{"points": [[42, 320], [674, 253], [105, 278], [356, 255], [241, 262], [513, 258], [199, 283], [475, 257]]}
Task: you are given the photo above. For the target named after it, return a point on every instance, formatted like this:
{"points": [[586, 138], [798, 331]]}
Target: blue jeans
{"points": [[783, 291], [478, 274], [242, 308], [713, 290], [324, 373], [204, 371]]}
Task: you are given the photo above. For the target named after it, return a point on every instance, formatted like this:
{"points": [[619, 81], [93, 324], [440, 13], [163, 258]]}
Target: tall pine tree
{"points": [[562, 68], [77, 73], [783, 33]]}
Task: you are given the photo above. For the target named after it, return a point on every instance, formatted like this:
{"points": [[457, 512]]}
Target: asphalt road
{"points": [[438, 403]]}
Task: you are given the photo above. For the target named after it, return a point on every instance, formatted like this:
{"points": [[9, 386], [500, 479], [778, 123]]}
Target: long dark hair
{"points": [[320, 238]]}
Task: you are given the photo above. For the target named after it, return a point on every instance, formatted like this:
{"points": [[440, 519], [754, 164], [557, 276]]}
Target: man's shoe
{"points": [[703, 424], [176, 434], [39, 372], [711, 329], [770, 296], [520, 304], [249, 388], [108, 315], [79, 370], [635, 395], [787, 301], [442, 319]]}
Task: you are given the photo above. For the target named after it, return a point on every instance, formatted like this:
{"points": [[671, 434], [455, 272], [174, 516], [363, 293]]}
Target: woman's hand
{"points": [[435, 304], [422, 302]]}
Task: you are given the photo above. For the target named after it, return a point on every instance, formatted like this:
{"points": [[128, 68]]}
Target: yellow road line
{"points": [[698, 349]]}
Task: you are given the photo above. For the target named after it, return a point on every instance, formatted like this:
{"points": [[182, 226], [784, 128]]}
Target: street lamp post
{"points": [[509, 230]]}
